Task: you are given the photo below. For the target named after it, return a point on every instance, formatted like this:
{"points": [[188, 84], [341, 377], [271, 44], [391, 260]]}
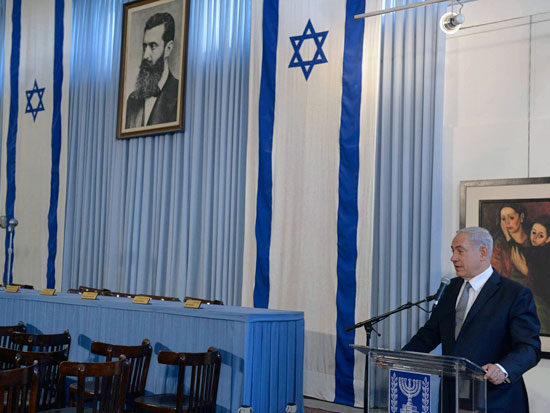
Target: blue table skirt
{"points": [[262, 350]]}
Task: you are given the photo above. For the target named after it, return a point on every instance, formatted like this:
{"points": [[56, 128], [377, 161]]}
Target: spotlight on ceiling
{"points": [[450, 22]]}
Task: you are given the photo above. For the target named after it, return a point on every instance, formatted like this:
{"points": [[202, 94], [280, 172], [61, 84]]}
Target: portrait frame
{"points": [[152, 68], [478, 198]]}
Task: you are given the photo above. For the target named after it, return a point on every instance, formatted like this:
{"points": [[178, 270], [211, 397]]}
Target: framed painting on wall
{"points": [[517, 214], [153, 67]]}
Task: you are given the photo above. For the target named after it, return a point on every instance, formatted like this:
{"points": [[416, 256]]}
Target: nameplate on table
{"points": [[47, 291], [192, 304], [89, 295], [141, 299], [12, 288]]}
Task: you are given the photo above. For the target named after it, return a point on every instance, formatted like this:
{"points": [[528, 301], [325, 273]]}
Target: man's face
{"points": [[153, 45], [468, 260]]}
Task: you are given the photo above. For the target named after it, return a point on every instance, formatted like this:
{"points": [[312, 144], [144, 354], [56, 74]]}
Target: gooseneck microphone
{"points": [[437, 296]]}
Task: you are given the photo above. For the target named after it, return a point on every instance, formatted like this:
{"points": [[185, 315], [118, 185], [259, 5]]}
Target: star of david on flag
{"points": [[40, 105], [319, 56]]}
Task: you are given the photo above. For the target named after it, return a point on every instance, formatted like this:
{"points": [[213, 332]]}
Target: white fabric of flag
{"points": [[34, 138], [310, 174]]}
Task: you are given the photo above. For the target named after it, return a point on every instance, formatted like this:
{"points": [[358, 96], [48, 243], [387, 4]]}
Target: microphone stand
{"points": [[368, 325], [9, 225]]}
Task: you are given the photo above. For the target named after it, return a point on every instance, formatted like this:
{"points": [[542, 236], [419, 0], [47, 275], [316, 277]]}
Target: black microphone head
{"points": [[445, 281]]}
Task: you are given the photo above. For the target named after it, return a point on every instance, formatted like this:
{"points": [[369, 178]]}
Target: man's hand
{"points": [[494, 374]]}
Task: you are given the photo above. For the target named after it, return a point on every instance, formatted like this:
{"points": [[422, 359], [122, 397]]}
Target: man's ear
{"points": [[168, 49], [484, 251]]}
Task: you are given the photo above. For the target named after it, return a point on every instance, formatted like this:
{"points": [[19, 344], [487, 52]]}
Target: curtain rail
{"points": [[399, 8]]}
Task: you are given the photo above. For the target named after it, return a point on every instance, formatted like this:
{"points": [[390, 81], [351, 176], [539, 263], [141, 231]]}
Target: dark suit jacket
{"points": [[501, 327], [164, 110]]}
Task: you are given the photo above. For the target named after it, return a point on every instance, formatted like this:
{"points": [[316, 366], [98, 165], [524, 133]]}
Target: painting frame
{"points": [[153, 68], [475, 194]]}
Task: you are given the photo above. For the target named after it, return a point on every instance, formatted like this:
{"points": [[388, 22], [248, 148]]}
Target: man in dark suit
{"points": [[488, 319], [155, 99]]}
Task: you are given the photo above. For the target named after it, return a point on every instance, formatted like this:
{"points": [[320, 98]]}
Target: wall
{"points": [[496, 113]]}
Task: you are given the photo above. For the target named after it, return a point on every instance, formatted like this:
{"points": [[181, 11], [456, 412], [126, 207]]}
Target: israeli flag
{"points": [[34, 138], [312, 126]]}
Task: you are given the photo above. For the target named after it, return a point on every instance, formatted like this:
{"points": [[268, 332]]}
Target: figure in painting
{"points": [[535, 266], [511, 244], [155, 99]]}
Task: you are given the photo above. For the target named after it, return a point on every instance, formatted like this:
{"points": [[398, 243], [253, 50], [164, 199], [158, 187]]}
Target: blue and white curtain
{"points": [[34, 138], [312, 127], [159, 215], [408, 203]]}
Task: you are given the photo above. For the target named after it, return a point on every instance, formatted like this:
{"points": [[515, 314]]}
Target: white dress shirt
{"points": [[150, 101], [477, 284]]}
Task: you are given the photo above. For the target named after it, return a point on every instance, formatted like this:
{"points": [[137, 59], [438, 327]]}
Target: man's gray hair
{"points": [[479, 237]]}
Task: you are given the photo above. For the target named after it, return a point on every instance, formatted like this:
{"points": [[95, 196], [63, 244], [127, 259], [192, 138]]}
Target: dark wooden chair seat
{"points": [[110, 383], [47, 366], [139, 358], [41, 342], [202, 383], [19, 390]]}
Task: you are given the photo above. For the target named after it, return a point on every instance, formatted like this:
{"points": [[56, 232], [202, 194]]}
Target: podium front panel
{"points": [[407, 382]]}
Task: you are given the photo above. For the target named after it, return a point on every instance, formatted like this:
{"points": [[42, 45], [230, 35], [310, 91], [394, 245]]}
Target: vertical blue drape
{"points": [[160, 215], [407, 227], [2, 37]]}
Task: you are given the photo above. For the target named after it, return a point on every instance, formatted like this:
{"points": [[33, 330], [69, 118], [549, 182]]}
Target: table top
{"points": [[234, 313]]}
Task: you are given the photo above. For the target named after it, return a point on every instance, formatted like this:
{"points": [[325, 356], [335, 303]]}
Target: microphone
{"points": [[437, 296]]}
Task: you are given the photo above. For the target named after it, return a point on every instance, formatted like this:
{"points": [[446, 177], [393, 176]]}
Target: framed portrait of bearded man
{"points": [[153, 66]]}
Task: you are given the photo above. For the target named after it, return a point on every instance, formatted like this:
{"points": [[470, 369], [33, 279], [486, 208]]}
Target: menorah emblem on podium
{"points": [[410, 388]]}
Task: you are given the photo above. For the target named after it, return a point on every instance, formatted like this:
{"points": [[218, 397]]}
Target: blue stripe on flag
{"points": [[12, 128], [265, 181], [347, 201], [56, 141]]}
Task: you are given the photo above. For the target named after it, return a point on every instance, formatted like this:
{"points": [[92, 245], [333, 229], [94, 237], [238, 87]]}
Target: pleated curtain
{"points": [[158, 215], [408, 206]]}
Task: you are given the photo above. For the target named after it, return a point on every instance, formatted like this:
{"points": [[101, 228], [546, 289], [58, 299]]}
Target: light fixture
{"points": [[451, 21]]}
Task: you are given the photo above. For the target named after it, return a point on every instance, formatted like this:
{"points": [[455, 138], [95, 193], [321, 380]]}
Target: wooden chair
{"points": [[202, 382], [204, 301], [42, 342], [139, 358], [110, 381], [6, 331], [47, 365], [19, 390]]}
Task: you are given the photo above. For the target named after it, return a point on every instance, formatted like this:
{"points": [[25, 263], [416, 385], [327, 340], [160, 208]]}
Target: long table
{"points": [[262, 350]]}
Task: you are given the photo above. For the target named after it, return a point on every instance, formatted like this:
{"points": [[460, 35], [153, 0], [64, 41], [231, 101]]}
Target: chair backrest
{"points": [[5, 333], [109, 379], [202, 380], [139, 358], [42, 342], [47, 365], [204, 300], [18, 390]]}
